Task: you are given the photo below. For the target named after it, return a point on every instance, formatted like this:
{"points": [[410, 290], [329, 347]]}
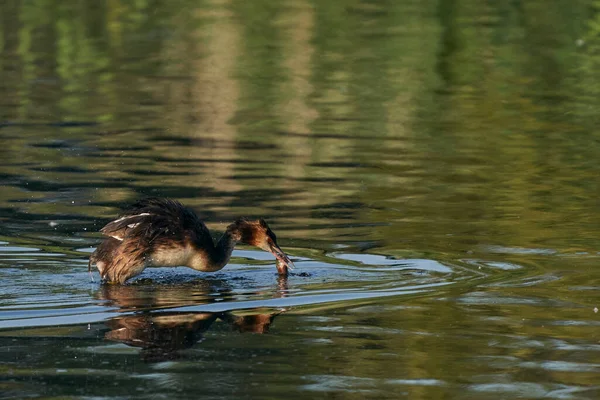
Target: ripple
{"points": [[334, 383], [416, 382], [519, 250], [354, 384], [563, 366], [530, 390], [38, 297], [18, 249], [378, 260], [505, 266]]}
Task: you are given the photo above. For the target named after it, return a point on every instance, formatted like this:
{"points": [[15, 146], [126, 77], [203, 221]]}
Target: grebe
{"points": [[163, 233]]}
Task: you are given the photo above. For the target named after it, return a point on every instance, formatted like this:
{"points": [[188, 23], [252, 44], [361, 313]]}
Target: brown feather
{"points": [[163, 232]]}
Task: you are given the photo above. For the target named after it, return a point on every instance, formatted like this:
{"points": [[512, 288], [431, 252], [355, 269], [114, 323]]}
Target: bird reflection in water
{"points": [[161, 335]]}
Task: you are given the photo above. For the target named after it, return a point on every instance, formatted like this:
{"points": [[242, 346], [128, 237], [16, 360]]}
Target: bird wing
{"points": [[124, 226], [155, 219]]}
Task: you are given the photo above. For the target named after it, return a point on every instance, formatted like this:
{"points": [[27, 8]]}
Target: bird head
{"points": [[257, 233]]}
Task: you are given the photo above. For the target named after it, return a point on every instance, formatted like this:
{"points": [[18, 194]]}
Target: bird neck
{"points": [[210, 259]]}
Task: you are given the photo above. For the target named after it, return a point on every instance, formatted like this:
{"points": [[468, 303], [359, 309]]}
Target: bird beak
{"points": [[283, 261]]}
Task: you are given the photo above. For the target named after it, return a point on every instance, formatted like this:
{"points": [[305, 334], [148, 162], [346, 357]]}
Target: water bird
{"points": [[157, 232]]}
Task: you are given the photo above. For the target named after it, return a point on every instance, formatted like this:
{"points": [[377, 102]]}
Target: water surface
{"points": [[431, 167]]}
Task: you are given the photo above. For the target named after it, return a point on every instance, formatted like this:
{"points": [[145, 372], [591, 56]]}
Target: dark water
{"points": [[432, 168]]}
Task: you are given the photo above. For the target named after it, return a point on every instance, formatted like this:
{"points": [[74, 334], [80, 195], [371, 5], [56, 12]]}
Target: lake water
{"points": [[431, 167]]}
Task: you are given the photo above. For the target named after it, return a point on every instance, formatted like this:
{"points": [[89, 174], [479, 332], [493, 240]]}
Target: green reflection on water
{"points": [[459, 132]]}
